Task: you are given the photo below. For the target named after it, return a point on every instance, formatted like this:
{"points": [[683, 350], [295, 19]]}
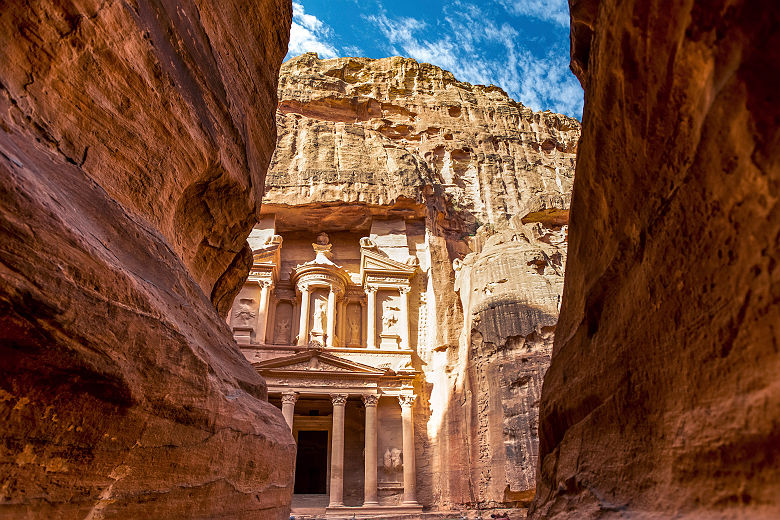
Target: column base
{"points": [[367, 510]]}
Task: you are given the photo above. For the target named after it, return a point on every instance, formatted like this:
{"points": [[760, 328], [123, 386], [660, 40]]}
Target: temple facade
{"points": [[332, 321]]}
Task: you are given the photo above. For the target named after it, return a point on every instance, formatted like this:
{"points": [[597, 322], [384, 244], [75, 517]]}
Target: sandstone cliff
{"points": [[134, 138], [662, 399], [490, 179]]}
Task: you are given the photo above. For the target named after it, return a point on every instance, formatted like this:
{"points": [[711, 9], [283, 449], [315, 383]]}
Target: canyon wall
{"points": [[474, 178], [134, 139], [662, 399]]}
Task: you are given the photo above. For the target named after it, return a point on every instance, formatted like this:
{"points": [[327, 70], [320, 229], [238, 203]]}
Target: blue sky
{"points": [[520, 45]]}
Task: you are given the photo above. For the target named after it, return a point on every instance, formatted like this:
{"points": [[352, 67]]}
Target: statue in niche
{"points": [[244, 314], [354, 331], [320, 315], [389, 316], [392, 460], [283, 331]]}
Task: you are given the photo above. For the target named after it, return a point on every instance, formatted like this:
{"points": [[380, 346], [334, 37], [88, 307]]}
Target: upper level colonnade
{"points": [[325, 304]]}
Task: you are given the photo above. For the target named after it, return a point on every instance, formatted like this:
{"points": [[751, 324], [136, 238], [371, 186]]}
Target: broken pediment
{"points": [[374, 264]]}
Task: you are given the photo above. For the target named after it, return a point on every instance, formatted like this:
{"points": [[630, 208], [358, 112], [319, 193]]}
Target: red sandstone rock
{"points": [[134, 139], [662, 399]]}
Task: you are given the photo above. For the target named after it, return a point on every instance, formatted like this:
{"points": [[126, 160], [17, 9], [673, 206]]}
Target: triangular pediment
{"points": [[372, 261], [316, 361]]}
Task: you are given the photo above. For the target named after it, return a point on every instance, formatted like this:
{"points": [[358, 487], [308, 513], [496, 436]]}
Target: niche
{"points": [[283, 323], [354, 329]]}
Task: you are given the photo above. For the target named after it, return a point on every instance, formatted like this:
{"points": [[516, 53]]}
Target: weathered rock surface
{"points": [[362, 140], [133, 144], [510, 291], [662, 399], [376, 132]]}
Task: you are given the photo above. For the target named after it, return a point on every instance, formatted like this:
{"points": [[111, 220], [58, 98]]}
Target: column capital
{"points": [[370, 289], [403, 289], [406, 400], [289, 397], [265, 282], [339, 399], [370, 400]]}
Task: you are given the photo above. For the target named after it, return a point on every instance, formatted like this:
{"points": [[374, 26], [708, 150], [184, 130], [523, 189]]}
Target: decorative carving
{"points": [[406, 400], [322, 239], [386, 279], [338, 399], [392, 460], [289, 398], [314, 380], [354, 331], [320, 279], [273, 240], [367, 243], [314, 364], [389, 316], [283, 326], [370, 400], [245, 313], [370, 289], [404, 289]]}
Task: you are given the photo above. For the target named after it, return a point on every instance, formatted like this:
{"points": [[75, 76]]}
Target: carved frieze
{"points": [[386, 279]]}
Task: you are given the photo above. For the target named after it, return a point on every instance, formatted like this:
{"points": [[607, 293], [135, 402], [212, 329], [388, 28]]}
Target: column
{"points": [[410, 476], [331, 318], [363, 323], [404, 322], [303, 329], [337, 451], [371, 333], [288, 407], [370, 496], [340, 315], [262, 314]]}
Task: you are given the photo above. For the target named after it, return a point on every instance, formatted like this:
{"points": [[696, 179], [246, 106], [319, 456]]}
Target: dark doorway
{"points": [[311, 463]]}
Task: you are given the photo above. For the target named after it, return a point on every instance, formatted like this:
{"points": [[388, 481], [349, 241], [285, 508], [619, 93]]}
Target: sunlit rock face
{"points": [[134, 139], [662, 399], [458, 174]]}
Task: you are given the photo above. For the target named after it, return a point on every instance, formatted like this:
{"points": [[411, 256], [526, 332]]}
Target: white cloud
{"points": [[555, 11], [309, 34], [540, 82]]}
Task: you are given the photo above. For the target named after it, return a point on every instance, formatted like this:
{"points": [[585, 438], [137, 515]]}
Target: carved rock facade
{"points": [[413, 233], [134, 137]]}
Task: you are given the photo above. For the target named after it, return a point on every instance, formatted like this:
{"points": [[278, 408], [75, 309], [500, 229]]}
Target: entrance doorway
{"points": [[311, 463]]}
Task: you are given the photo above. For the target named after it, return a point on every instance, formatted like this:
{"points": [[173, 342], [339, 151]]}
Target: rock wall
{"points": [[510, 291], [134, 139], [662, 399], [362, 140]]}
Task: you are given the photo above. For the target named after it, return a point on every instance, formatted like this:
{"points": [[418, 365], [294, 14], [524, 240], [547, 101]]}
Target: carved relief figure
{"points": [[392, 460], [283, 327], [244, 315], [283, 331], [389, 316], [354, 331]]}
